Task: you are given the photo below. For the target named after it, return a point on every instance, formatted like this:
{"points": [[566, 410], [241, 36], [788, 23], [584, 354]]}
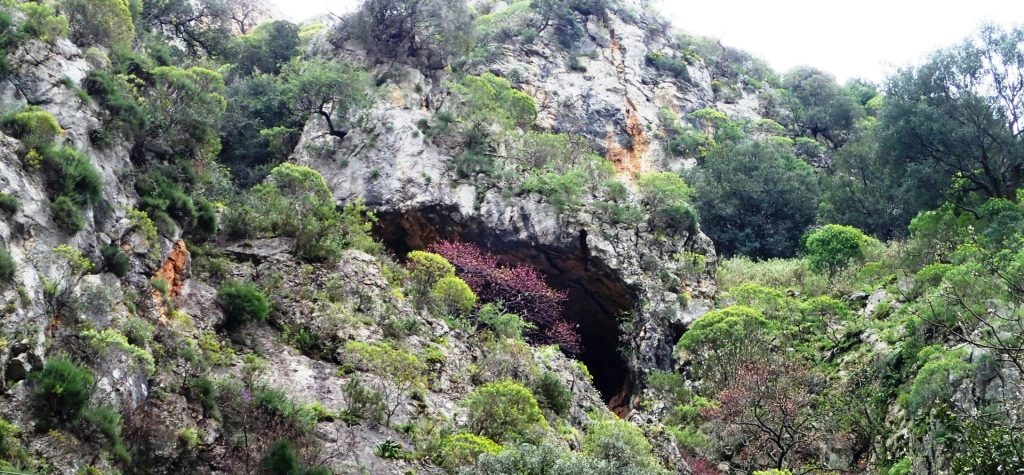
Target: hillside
{"points": [[524, 237]]}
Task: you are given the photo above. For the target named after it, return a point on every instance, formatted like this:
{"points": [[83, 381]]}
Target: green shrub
{"points": [[111, 338], [504, 411], [832, 248], [67, 214], [8, 268], [505, 325], [35, 127], [100, 22], [552, 393], [115, 260], [620, 443], [9, 203], [70, 173], [108, 423], [941, 370], [43, 22], [425, 270], [396, 372], [361, 403], [281, 459], [452, 296], [61, 389], [113, 93], [564, 190], [667, 196], [389, 449], [206, 218], [464, 449], [672, 65], [242, 303], [165, 199], [543, 459], [904, 467]]}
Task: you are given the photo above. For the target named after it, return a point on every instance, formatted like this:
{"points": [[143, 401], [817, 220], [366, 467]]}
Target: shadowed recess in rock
{"points": [[597, 298]]}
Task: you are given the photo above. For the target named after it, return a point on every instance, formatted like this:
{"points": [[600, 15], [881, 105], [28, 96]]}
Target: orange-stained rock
{"points": [[173, 271]]}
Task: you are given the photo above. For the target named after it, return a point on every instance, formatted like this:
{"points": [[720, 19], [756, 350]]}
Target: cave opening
{"points": [[597, 298]]}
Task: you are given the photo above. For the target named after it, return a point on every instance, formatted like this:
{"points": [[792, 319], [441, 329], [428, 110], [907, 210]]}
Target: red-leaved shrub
{"points": [[521, 289]]}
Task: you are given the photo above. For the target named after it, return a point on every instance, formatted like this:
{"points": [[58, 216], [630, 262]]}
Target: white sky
{"points": [[862, 38]]}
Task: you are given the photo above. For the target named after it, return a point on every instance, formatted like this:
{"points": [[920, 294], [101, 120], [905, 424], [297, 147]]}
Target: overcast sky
{"points": [[862, 38]]}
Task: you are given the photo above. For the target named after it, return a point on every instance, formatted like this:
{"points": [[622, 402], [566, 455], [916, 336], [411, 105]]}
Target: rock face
{"points": [[613, 100]]}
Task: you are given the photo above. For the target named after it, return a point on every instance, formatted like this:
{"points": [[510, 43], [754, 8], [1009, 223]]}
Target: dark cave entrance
{"points": [[597, 298]]}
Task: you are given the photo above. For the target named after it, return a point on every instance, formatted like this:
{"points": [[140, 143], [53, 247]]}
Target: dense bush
{"points": [[43, 22], [115, 95], [552, 394], [100, 22], [242, 303], [67, 214], [295, 201], [564, 190], [667, 196], [281, 459], [452, 296], [61, 389], [107, 422], [163, 197], [504, 411], [721, 339], [9, 203], [425, 270], [115, 260], [543, 459], [756, 199], [621, 444], [70, 173], [35, 127], [7, 266], [677, 67], [464, 449], [831, 248], [396, 372]]}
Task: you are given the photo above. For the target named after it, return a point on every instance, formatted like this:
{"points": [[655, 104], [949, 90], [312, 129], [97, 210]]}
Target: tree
{"points": [[831, 248], [395, 371], [756, 198], [266, 48], [246, 13], [183, 108], [202, 27], [334, 90], [100, 22], [504, 411], [772, 405], [256, 104], [720, 340], [428, 31], [962, 114], [819, 105], [867, 188]]}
